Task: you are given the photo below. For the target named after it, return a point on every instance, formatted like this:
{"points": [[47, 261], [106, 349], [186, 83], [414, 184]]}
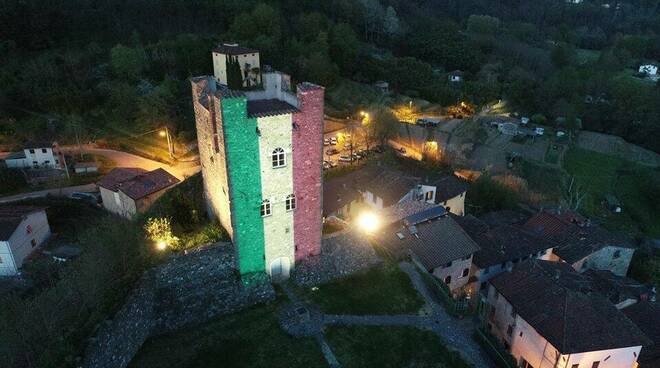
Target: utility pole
{"points": [[170, 147]]}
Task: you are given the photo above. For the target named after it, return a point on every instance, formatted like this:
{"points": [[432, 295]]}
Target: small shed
{"points": [[86, 167], [612, 203], [382, 86]]}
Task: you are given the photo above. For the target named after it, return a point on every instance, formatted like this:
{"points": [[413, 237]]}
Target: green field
{"points": [[599, 174], [390, 347], [380, 290], [250, 338]]}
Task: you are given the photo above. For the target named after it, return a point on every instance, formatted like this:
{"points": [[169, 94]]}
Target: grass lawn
{"points": [[380, 290], [250, 338], [552, 155], [541, 178], [599, 174], [586, 56], [390, 347]]}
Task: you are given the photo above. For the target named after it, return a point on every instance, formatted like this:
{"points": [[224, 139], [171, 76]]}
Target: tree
{"points": [[126, 62], [562, 55], [159, 231], [234, 76], [344, 46], [483, 24], [384, 124], [486, 195], [391, 24]]}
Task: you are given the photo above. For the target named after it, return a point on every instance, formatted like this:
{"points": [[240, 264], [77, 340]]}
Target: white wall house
{"points": [[648, 69], [36, 156], [448, 191], [545, 321], [23, 229]]}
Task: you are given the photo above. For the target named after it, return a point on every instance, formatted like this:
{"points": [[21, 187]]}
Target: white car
{"points": [[326, 142], [333, 141], [539, 131], [343, 158]]}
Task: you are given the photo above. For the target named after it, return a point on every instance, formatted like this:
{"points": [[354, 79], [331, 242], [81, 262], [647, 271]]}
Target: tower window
{"points": [[279, 158], [265, 208], [290, 202]]}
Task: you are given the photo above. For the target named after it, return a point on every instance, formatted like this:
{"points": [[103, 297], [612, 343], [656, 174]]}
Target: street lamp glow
{"points": [[161, 245], [368, 222], [162, 133]]}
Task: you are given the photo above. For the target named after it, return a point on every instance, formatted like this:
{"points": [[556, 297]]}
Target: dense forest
{"points": [[111, 66]]}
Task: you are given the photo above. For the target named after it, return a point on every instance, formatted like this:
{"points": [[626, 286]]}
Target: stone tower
{"points": [[261, 154]]}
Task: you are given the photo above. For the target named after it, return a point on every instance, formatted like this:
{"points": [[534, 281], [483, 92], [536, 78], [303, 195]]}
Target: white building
{"points": [[23, 229], [448, 191], [648, 69], [36, 155], [540, 314], [248, 60]]}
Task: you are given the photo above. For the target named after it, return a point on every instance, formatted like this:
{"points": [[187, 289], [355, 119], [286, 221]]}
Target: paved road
{"points": [[64, 191], [123, 159]]}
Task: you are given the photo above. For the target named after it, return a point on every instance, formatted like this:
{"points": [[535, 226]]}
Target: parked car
{"points": [[332, 151], [357, 156], [326, 165], [539, 131], [333, 141], [326, 142], [427, 122], [379, 149], [87, 197], [343, 158]]}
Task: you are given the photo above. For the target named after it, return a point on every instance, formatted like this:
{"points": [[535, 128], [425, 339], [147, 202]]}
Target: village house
{"points": [[436, 243], [542, 315], [23, 229], [448, 191], [581, 243], [648, 69], [36, 155], [501, 246], [621, 291], [378, 188], [646, 315], [130, 191]]}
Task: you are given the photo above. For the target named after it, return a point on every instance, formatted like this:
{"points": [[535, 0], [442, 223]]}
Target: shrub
{"points": [[486, 195]]}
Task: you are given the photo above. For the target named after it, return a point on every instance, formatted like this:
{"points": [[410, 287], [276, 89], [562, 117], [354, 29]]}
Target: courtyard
{"points": [[380, 317]]}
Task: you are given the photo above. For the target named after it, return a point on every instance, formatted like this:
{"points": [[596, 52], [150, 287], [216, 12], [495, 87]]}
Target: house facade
{"points": [[23, 229], [131, 191], [261, 154], [37, 155], [581, 243], [435, 242], [448, 191], [541, 316], [248, 60]]}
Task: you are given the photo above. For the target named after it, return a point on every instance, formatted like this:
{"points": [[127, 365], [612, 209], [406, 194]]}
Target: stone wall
{"points": [[188, 289], [342, 254], [307, 170]]}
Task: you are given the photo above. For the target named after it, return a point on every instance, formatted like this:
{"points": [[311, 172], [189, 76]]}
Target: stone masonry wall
{"points": [[187, 289], [242, 148], [307, 171]]}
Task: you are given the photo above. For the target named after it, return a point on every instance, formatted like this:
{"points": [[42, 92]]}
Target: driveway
{"points": [[60, 192], [181, 170]]}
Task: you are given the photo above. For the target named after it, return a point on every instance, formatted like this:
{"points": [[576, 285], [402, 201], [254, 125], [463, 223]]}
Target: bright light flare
{"points": [[368, 222], [162, 133], [161, 245]]}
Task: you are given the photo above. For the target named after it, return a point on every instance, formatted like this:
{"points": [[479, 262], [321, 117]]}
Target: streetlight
{"points": [[161, 245], [368, 222]]}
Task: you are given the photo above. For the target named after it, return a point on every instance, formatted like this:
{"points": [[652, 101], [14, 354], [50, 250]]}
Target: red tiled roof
{"points": [[137, 183]]}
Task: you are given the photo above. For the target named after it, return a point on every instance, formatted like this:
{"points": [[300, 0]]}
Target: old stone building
{"points": [[261, 153]]}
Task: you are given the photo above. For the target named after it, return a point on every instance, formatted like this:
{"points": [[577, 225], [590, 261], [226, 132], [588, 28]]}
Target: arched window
{"points": [[279, 158], [265, 208], [290, 202]]}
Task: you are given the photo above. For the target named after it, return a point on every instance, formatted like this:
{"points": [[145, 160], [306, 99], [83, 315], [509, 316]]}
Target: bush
{"points": [[49, 328], [486, 195], [11, 181], [183, 205]]}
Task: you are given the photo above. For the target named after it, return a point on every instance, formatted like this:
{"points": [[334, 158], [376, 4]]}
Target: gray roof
{"points": [[646, 316], [269, 107], [448, 187], [501, 243], [434, 243], [550, 297], [391, 186], [15, 156], [11, 216], [233, 49]]}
